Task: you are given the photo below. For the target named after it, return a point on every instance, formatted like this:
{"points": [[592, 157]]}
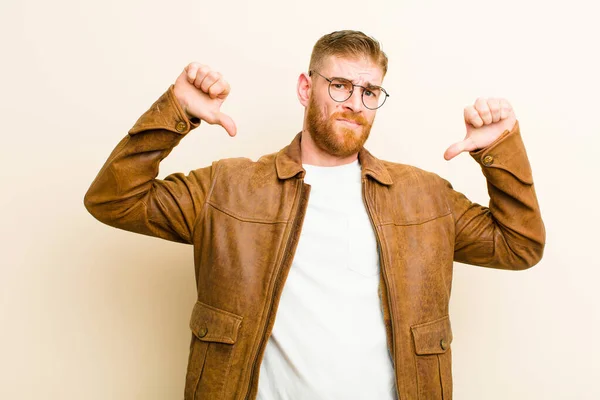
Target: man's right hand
{"points": [[201, 92]]}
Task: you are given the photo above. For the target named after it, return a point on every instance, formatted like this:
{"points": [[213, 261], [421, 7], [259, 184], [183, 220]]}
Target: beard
{"points": [[339, 141]]}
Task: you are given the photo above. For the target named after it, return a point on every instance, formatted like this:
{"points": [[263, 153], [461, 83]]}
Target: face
{"points": [[341, 128]]}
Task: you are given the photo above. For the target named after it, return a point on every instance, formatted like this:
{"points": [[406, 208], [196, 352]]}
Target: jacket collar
{"points": [[289, 163]]}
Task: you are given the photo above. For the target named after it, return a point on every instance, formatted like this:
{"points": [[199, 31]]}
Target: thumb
{"points": [[455, 150], [468, 144], [227, 122]]}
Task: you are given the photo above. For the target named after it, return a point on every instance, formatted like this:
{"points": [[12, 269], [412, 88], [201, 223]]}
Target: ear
{"points": [[304, 88]]}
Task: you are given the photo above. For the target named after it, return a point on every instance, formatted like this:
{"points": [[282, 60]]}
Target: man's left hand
{"points": [[485, 121]]}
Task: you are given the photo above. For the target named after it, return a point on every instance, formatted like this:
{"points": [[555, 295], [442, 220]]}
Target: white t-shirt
{"points": [[329, 340]]}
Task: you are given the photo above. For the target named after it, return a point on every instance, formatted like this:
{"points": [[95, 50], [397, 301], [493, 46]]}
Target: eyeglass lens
{"points": [[341, 90]]}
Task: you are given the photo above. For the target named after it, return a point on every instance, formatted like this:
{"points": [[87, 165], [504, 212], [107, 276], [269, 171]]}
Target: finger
{"points": [[472, 117], [494, 105], [219, 89], [200, 75], [209, 80], [459, 147], [227, 122], [454, 150], [505, 109], [191, 70], [484, 111]]}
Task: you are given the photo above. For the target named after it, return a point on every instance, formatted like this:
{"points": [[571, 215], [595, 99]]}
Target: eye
{"points": [[341, 85], [372, 92]]}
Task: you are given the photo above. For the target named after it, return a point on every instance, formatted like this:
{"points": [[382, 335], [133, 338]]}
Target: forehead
{"points": [[358, 70]]}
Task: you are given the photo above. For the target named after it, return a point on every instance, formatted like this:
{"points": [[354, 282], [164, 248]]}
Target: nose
{"points": [[354, 102]]}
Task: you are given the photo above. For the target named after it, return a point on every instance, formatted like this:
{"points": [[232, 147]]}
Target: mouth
{"points": [[348, 122]]}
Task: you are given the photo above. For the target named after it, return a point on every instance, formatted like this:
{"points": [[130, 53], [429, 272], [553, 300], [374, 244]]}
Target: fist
{"points": [[485, 121], [201, 91]]}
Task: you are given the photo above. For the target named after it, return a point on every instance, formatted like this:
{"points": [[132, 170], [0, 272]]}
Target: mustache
{"points": [[359, 119]]}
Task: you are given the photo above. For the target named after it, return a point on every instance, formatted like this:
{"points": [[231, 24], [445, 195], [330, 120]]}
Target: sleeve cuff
{"points": [[506, 153], [165, 113]]}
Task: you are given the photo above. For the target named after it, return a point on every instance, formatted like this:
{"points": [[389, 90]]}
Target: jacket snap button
{"points": [[444, 344], [203, 331], [180, 126], [488, 160]]}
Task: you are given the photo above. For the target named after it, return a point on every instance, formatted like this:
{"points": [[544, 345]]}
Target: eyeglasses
{"points": [[341, 89]]}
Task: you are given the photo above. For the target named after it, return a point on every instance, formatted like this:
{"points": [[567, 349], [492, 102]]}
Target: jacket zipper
{"points": [[387, 285], [276, 287]]}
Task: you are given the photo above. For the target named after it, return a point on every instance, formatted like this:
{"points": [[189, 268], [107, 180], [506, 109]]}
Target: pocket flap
{"points": [[211, 324], [432, 337]]}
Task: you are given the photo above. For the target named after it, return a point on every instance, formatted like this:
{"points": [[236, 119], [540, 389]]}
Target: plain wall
{"points": [[91, 312]]}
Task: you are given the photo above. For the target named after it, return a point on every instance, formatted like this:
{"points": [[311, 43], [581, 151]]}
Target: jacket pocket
{"points": [[215, 332], [433, 359]]}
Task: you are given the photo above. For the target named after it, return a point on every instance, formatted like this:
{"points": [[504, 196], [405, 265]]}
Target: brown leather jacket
{"points": [[244, 219]]}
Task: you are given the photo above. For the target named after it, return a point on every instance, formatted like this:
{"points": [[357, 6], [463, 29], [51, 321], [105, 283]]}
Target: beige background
{"points": [[90, 312]]}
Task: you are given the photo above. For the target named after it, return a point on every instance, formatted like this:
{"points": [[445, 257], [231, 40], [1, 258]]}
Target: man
{"points": [[322, 271]]}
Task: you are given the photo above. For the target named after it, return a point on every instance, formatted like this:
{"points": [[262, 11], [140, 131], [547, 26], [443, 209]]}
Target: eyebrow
{"points": [[367, 84]]}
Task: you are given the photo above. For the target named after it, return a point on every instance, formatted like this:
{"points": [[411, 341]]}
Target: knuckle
{"points": [[195, 66], [214, 89]]}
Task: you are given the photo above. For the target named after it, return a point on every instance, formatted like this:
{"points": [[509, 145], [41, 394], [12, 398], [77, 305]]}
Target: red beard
{"points": [[339, 141]]}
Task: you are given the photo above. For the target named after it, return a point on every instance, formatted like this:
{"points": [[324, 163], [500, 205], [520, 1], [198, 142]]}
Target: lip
{"points": [[348, 121]]}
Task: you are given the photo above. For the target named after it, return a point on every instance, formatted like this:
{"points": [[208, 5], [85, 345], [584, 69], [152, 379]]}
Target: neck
{"points": [[313, 155]]}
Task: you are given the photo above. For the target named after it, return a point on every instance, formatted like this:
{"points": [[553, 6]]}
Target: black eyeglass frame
{"points": [[362, 98]]}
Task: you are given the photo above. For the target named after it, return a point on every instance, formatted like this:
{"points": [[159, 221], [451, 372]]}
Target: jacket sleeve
{"points": [[126, 193], [510, 233]]}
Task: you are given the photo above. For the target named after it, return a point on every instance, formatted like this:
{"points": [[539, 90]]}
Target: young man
{"points": [[322, 271]]}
